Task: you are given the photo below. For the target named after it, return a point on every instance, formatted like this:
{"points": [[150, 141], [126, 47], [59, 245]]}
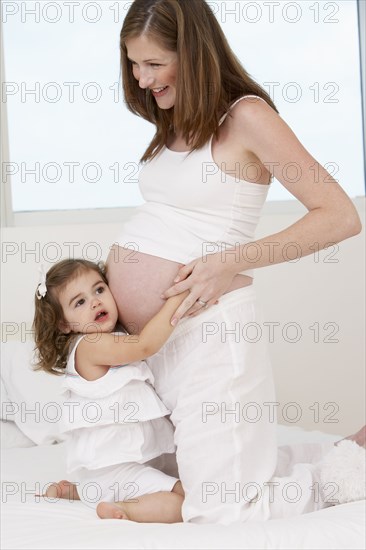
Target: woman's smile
{"points": [[159, 92]]}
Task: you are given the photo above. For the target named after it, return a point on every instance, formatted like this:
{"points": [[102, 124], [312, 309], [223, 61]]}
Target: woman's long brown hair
{"points": [[210, 77]]}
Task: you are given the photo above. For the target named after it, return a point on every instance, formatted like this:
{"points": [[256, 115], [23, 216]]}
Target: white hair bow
{"points": [[41, 288]]}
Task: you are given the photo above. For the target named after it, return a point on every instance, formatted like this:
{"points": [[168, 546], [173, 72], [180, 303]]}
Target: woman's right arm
{"points": [[114, 349]]}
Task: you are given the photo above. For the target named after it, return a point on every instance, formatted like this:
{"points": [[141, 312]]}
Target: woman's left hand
{"points": [[206, 278]]}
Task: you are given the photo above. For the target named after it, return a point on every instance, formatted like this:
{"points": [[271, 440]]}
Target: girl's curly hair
{"points": [[52, 345]]}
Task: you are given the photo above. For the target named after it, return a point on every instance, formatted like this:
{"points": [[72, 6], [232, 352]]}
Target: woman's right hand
{"points": [[206, 279]]}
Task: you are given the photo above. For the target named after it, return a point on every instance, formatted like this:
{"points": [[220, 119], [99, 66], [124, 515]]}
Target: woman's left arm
{"points": [[331, 215]]}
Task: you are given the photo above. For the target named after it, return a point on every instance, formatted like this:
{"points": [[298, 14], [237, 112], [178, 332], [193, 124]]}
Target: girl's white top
{"points": [[114, 419]]}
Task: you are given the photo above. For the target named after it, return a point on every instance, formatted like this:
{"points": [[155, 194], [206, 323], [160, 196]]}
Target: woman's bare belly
{"points": [[137, 280]]}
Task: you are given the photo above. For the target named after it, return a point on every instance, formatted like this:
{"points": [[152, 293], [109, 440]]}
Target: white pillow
{"points": [[4, 398], [11, 436], [35, 398]]}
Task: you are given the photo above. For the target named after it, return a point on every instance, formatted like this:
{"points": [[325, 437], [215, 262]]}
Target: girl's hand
{"points": [[206, 278]]}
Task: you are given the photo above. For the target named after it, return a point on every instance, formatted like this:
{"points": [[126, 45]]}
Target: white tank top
{"points": [[192, 208]]}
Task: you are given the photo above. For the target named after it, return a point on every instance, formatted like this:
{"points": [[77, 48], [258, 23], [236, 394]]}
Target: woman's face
{"points": [[155, 68]]}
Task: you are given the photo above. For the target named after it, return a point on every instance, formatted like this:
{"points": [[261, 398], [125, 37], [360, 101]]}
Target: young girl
{"points": [[114, 420]]}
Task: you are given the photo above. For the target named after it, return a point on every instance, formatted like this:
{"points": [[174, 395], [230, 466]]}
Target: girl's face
{"points": [[155, 68], [88, 305]]}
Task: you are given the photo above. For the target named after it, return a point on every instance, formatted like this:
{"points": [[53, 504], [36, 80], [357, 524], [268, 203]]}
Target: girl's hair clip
{"points": [[41, 288]]}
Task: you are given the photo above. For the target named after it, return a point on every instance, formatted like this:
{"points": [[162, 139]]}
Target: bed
{"points": [[34, 523], [33, 455]]}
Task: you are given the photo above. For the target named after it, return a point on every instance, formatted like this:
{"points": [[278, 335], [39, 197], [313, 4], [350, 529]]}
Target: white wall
{"points": [[295, 295], [321, 292]]}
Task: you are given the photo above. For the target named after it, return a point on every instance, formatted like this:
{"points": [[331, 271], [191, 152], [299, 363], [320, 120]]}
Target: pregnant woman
{"points": [[206, 173]]}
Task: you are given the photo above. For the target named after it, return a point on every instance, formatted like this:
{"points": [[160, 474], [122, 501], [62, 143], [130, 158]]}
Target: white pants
{"points": [[215, 376]]}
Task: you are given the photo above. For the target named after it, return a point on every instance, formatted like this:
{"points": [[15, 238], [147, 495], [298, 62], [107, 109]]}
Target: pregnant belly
{"points": [[137, 280]]}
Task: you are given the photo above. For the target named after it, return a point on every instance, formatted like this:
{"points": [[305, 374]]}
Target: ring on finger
{"points": [[202, 302]]}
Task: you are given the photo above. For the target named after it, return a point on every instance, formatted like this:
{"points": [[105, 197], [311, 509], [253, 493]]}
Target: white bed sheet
{"points": [[32, 523]]}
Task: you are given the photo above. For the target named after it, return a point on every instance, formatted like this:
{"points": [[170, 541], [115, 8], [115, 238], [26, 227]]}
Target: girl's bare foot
{"points": [[62, 489], [111, 510], [359, 437]]}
